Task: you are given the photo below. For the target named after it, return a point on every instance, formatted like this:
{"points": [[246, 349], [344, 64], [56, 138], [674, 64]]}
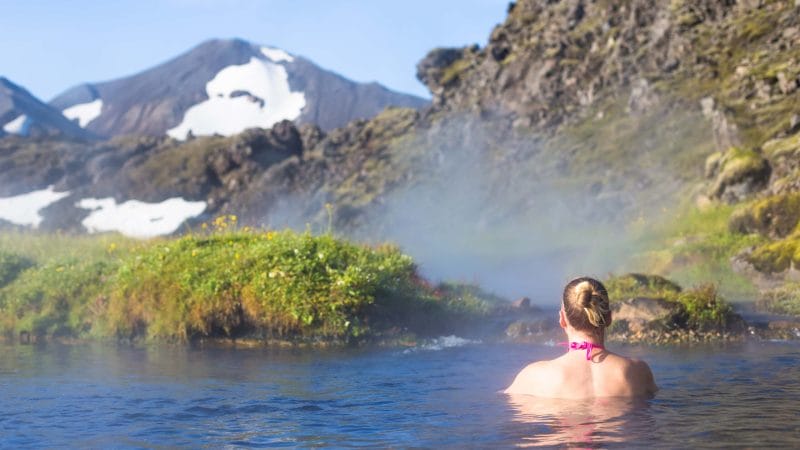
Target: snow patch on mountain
{"points": [[255, 94], [24, 209], [19, 126], [276, 54], [138, 219], [84, 112]]}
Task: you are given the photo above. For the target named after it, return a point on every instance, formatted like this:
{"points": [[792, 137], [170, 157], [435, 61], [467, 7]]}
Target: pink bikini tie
{"points": [[588, 346]]}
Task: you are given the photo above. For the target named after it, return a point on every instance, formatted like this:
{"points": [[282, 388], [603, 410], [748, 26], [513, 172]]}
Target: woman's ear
{"points": [[562, 318]]}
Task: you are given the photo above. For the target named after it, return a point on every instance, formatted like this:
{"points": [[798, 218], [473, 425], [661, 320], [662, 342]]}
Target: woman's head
{"points": [[586, 305]]}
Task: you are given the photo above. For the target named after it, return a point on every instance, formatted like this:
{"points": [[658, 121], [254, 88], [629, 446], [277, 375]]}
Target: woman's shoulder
{"points": [[636, 374], [533, 378]]}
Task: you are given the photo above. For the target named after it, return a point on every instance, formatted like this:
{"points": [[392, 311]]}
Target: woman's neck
{"points": [[577, 336]]}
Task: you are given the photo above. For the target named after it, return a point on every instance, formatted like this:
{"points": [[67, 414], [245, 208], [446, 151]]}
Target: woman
{"points": [[587, 370]]}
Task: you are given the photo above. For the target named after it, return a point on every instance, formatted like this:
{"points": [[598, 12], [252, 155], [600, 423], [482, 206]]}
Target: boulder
{"points": [[644, 313]]}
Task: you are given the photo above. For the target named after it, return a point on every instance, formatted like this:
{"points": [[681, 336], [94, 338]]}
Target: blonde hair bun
{"points": [[587, 297]]}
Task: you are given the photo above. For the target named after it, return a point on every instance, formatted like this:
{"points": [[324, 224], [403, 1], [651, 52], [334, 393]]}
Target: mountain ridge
{"points": [[22, 113], [155, 100]]}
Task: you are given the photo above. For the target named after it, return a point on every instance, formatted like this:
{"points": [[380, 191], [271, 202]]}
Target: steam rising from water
{"points": [[500, 212], [512, 212]]}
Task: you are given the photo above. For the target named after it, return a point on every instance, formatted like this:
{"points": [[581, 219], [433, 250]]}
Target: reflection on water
{"points": [[439, 397], [582, 423]]}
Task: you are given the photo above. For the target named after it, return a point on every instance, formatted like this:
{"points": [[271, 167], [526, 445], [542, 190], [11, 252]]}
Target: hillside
{"points": [[584, 136]]}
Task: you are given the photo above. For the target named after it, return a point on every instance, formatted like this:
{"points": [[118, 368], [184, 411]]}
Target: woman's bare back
{"points": [[573, 376]]}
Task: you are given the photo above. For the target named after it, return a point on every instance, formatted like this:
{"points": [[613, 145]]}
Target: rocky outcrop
{"points": [[644, 314], [651, 308]]}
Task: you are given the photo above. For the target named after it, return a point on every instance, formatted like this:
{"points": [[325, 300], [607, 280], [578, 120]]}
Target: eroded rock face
{"points": [[643, 313]]}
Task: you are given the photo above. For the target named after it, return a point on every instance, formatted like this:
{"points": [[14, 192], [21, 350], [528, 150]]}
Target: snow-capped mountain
{"points": [[224, 87], [23, 114]]}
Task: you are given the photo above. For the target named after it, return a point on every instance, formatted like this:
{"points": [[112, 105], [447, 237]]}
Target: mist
{"points": [[496, 208]]}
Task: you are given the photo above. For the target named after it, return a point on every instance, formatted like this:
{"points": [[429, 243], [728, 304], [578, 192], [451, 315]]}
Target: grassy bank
{"points": [[228, 282], [694, 246]]}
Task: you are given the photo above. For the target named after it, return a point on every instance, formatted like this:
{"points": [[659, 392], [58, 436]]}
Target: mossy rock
{"points": [[633, 285], [776, 216], [775, 257], [665, 306], [737, 174]]}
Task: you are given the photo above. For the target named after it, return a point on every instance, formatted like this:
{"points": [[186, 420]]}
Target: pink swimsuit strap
{"points": [[588, 346]]}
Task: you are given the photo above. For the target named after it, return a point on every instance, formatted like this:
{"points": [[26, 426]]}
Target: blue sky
{"points": [[51, 45]]}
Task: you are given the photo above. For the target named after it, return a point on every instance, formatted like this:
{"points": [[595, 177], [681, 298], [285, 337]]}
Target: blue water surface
{"points": [[443, 394]]}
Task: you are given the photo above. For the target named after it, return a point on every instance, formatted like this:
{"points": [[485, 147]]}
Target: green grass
{"points": [[226, 283], [694, 246], [11, 265], [782, 300]]}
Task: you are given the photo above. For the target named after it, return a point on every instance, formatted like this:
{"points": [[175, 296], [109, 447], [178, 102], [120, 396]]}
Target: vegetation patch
{"points": [[700, 309], [777, 256], [11, 265], [776, 216], [781, 300], [695, 246], [634, 285], [737, 166], [234, 283], [57, 299]]}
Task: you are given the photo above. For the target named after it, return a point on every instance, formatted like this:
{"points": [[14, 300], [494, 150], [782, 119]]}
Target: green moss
{"points": [[737, 165], [778, 256], [454, 71], [775, 216]]}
